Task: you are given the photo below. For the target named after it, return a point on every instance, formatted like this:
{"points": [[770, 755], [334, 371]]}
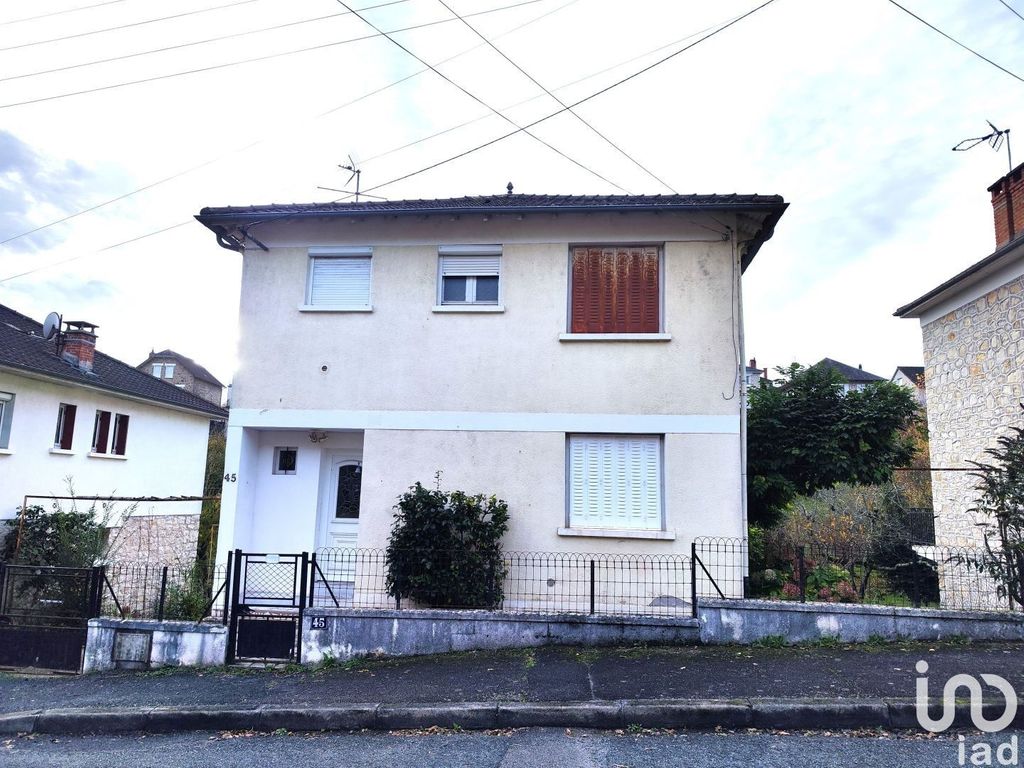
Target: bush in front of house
{"points": [[445, 549]]}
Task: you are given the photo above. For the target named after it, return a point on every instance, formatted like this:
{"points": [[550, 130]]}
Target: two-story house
{"points": [[184, 373], [580, 357], [854, 379], [73, 418]]}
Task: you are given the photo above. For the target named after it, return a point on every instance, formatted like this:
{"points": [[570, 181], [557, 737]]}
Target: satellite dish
{"points": [[51, 326]]}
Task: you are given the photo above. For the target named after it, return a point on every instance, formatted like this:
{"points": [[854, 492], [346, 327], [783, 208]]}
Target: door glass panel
{"points": [[347, 506]]}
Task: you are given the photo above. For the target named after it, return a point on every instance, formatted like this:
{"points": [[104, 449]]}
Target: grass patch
{"points": [[770, 641], [529, 659]]}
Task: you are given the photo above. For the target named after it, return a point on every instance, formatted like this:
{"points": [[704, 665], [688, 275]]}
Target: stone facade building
{"points": [[974, 355], [184, 373]]}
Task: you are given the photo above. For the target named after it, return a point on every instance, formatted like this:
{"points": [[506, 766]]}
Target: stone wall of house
{"points": [[155, 539], [974, 363]]}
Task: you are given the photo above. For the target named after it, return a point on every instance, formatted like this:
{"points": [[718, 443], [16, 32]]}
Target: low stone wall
{"points": [[347, 633], [748, 621], [137, 644]]}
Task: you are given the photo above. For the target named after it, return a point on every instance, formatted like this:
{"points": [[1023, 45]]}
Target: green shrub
{"points": [[58, 537], [445, 549], [189, 599]]}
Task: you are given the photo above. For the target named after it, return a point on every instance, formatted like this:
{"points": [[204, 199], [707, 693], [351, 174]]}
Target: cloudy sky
{"points": [[847, 108]]}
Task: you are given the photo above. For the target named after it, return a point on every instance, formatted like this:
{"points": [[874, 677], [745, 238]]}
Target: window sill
{"points": [[61, 452], [492, 308], [619, 533], [314, 308], [6, 452], [615, 337], [113, 456]]}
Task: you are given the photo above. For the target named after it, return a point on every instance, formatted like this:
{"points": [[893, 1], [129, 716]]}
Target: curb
{"points": [[780, 714]]}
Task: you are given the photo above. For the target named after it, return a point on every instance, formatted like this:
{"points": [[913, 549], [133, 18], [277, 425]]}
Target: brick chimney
{"points": [[78, 344], [1008, 206]]}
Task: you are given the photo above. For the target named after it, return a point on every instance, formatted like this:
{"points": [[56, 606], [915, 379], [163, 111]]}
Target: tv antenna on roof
{"points": [[994, 139], [354, 168]]}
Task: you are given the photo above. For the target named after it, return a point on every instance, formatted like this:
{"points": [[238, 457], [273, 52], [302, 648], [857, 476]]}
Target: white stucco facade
{"points": [[165, 451], [488, 398]]}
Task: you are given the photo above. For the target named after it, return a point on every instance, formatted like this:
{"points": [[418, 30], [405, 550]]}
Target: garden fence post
{"points": [[801, 575], [693, 578], [163, 595], [227, 586], [593, 581], [916, 574]]}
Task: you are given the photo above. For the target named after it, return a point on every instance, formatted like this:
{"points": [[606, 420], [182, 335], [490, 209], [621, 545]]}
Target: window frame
{"points": [[6, 417], [354, 252], [275, 468], [660, 464], [640, 335], [470, 302], [169, 370], [101, 427], [67, 413], [110, 433]]}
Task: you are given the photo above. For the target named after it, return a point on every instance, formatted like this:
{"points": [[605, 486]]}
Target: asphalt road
{"points": [[516, 749]]}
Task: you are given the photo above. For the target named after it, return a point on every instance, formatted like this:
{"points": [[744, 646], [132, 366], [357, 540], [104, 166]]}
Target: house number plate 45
{"points": [[318, 622]]}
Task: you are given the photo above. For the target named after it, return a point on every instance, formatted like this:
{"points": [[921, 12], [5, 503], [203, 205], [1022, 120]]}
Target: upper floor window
{"points": [[163, 370], [103, 441], [469, 274], [6, 415], [65, 434], [285, 460], [615, 481], [339, 277], [615, 289]]}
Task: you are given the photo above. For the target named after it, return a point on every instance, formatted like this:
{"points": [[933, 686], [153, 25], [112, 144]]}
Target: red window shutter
{"points": [[615, 290], [101, 432], [67, 433], [120, 433]]}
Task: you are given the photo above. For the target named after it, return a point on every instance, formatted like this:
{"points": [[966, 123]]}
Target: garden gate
{"points": [[268, 593]]}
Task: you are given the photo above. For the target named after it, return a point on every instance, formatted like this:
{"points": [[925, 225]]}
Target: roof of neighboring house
{"points": [[23, 348], [975, 273], [771, 205], [913, 372], [185, 362], [848, 372]]}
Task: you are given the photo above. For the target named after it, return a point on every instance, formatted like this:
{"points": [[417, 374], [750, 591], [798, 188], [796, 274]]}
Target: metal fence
{"points": [[892, 573], [187, 592]]}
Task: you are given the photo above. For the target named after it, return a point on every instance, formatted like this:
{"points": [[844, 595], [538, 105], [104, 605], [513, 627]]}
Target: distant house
{"points": [[853, 378], [911, 377], [973, 331], [184, 373], [754, 375], [68, 412]]}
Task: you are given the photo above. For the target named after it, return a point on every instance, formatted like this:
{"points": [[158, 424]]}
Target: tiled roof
{"points": [[22, 347], [185, 362], [497, 203], [913, 372], [848, 372]]}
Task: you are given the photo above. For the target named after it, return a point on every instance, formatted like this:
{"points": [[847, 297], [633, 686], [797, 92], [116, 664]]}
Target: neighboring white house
{"points": [[70, 413], [579, 357], [973, 332], [911, 377], [854, 379]]}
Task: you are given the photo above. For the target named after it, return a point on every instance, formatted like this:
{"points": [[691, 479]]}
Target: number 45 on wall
{"points": [[230, 477]]}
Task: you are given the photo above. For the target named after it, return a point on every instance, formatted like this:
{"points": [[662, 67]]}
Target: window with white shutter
{"points": [[469, 274], [615, 481], [339, 278]]}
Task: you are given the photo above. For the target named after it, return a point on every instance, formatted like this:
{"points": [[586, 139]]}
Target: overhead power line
{"points": [[480, 101], [267, 57], [179, 46], [1012, 9], [561, 103], [59, 13], [952, 39], [128, 26]]}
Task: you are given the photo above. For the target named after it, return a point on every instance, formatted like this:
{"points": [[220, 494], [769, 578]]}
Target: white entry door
{"points": [[340, 515]]}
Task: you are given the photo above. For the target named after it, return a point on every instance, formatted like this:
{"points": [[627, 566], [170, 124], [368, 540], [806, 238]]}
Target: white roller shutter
{"points": [[470, 266], [342, 281], [615, 481]]}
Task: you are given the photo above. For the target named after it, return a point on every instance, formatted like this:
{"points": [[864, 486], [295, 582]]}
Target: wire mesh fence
{"points": [[888, 573], [188, 592]]}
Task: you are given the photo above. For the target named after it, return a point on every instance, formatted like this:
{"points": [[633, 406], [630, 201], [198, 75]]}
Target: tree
{"points": [[209, 518], [804, 434], [445, 549], [58, 537], [1001, 500]]}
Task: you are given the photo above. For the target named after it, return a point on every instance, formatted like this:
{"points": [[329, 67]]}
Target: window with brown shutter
{"points": [[101, 432], [120, 442], [65, 434], [615, 289]]}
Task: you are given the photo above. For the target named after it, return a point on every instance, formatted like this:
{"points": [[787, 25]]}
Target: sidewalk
{"points": [[734, 682]]}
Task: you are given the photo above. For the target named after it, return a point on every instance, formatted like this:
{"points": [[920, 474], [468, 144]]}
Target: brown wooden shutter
{"points": [[120, 433], [615, 290], [67, 433], [101, 432]]}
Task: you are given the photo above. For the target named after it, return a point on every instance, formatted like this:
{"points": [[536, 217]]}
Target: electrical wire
{"points": [[59, 13], [957, 42], [237, 150], [267, 57], [1012, 9], [480, 101], [196, 42], [561, 103], [128, 26]]}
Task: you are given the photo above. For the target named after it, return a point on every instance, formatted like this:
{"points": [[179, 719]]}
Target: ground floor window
{"points": [[614, 481], [6, 415]]}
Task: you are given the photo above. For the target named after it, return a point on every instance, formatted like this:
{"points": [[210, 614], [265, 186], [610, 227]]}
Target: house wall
{"points": [[166, 450], [974, 358], [185, 379], [487, 398]]}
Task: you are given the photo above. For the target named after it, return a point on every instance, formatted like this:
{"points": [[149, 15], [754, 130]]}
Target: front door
{"points": [[340, 515]]}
